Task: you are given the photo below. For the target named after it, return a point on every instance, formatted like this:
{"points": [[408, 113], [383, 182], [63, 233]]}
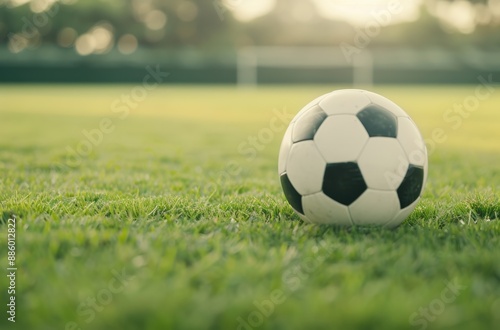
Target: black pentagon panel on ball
{"points": [[308, 124], [292, 196], [343, 182], [378, 121], [411, 187]]}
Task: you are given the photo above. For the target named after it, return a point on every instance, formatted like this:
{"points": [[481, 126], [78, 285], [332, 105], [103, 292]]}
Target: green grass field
{"points": [[168, 223]]}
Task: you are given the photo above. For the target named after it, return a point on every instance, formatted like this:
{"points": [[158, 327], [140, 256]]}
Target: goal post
{"points": [[249, 59]]}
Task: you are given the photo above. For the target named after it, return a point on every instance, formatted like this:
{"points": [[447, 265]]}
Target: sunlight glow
{"points": [[354, 12], [360, 11], [458, 15], [246, 10]]}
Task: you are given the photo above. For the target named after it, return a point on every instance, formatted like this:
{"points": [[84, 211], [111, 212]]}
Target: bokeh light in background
{"points": [[97, 29], [98, 40], [127, 44], [453, 16], [67, 37]]}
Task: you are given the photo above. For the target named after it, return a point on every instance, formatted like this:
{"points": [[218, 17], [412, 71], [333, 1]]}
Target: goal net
{"points": [[250, 59]]}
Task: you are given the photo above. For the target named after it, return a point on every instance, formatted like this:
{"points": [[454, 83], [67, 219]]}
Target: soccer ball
{"points": [[353, 158]]}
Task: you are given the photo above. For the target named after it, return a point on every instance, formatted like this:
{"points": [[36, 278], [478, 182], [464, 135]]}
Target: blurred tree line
{"points": [[210, 24]]}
